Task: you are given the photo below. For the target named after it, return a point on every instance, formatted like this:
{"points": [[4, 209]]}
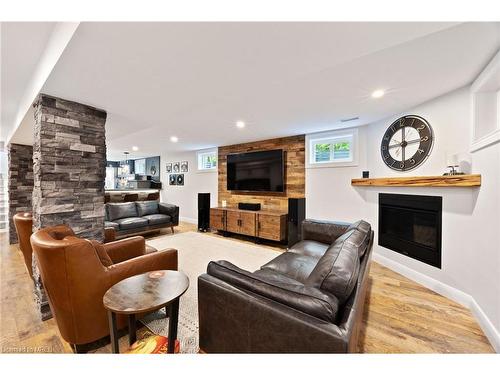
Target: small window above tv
{"points": [[259, 171]]}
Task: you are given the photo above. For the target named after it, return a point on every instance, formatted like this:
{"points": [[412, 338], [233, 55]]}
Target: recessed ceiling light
{"points": [[240, 124], [135, 148], [378, 94], [173, 139]]}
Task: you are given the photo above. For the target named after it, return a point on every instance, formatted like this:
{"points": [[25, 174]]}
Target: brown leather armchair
{"points": [[77, 272], [23, 221]]}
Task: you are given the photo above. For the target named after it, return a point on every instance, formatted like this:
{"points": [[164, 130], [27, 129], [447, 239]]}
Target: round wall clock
{"points": [[407, 143]]}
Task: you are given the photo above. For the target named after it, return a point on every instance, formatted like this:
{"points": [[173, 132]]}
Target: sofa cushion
{"points": [[273, 276], [310, 248], [311, 301], [111, 224], [157, 219], [132, 222], [322, 230], [362, 237], [121, 210], [102, 254], [295, 266], [337, 271], [147, 208]]}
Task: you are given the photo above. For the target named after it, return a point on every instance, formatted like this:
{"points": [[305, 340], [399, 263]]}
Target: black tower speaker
{"points": [[296, 214], [203, 211]]}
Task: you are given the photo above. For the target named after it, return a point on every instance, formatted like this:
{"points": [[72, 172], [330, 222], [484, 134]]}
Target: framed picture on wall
{"points": [[184, 166], [180, 179], [177, 167], [169, 167], [172, 179]]}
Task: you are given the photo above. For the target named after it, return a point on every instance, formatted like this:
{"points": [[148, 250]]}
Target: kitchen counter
{"points": [[118, 195]]}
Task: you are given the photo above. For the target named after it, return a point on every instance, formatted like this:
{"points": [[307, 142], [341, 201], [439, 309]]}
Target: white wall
{"points": [[186, 197], [471, 217]]}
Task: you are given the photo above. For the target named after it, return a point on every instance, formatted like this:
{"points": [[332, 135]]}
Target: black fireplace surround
{"points": [[411, 225]]}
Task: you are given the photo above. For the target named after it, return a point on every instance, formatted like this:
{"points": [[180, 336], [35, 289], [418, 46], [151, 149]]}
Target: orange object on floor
{"points": [[152, 344]]}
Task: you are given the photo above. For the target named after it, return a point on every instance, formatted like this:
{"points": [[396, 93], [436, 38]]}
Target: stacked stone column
{"points": [[20, 183], [69, 155]]}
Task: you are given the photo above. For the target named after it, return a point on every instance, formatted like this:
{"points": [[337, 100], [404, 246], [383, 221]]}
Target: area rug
{"points": [[195, 251]]}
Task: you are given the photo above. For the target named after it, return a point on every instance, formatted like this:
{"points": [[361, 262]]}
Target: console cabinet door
{"points": [[271, 227], [217, 219], [247, 223], [233, 221]]}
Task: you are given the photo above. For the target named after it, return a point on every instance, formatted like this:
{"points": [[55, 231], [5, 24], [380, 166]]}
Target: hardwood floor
{"points": [[401, 316]]}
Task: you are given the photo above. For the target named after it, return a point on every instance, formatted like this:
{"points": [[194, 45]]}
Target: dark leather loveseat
{"points": [[132, 218], [309, 299]]}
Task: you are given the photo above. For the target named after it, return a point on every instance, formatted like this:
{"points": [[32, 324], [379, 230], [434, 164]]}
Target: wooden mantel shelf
{"points": [[465, 180]]}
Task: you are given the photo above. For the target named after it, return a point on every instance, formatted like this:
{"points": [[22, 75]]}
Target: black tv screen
{"points": [[256, 171]]}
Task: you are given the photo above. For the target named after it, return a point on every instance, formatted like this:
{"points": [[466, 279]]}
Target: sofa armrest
{"points": [[233, 320], [161, 260], [323, 231], [125, 249], [170, 210], [309, 300]]}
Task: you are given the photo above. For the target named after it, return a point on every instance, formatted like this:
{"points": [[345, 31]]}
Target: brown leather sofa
{"points": [[77, 272], [309, 299], [23, 221]]}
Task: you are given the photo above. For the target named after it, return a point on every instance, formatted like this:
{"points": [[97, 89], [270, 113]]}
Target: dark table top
{"points": [[146, 292]]}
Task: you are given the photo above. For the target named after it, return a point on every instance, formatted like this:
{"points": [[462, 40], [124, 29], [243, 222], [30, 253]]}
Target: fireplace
{"points": [[411, 225]]}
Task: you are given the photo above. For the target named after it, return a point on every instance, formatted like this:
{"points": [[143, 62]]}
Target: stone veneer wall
{"points": [[69, 156], [20, 183]]}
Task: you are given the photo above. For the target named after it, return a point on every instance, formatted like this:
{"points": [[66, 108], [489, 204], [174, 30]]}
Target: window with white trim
{"points": [[207, 160], [334, 148]]}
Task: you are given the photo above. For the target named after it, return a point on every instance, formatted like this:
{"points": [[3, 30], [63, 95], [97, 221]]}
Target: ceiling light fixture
{"points": [[135, 148], [174, 139], [240, 124], [378, 94], [349, 119]]}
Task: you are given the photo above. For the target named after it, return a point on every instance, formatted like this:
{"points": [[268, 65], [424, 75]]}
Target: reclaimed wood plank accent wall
{"points": [[295, 180]]}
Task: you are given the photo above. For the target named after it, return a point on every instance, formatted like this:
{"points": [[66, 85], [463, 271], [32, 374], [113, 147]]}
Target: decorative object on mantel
{"points": [[366, 174], [184, 166], [169, 167], [177, 167], [458, 164], [407, 143], [465, 180]]}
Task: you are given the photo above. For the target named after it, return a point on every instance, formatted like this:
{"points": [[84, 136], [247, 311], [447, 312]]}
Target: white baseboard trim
{"points": [[188, 220], [486, 325], [448, 291]]}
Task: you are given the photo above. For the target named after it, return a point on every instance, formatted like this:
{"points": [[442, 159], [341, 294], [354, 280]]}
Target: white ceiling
{"points": [[22, 45], [195, 80]]}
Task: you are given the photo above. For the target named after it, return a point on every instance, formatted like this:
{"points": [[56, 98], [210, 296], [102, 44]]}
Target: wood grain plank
{"points": [[469, 180]]}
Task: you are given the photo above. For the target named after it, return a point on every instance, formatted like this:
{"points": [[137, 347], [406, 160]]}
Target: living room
{"points": [[250, 187]]}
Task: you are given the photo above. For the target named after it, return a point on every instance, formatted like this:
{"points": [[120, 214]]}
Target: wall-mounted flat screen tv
{"points": [[259, 171]]}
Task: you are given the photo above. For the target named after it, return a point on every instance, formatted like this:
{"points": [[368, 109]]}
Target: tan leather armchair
{"points": [[75, 277], [23, 221]]}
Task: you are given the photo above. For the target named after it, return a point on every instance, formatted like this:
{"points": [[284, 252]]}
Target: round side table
{"points": [[144, 293]]}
